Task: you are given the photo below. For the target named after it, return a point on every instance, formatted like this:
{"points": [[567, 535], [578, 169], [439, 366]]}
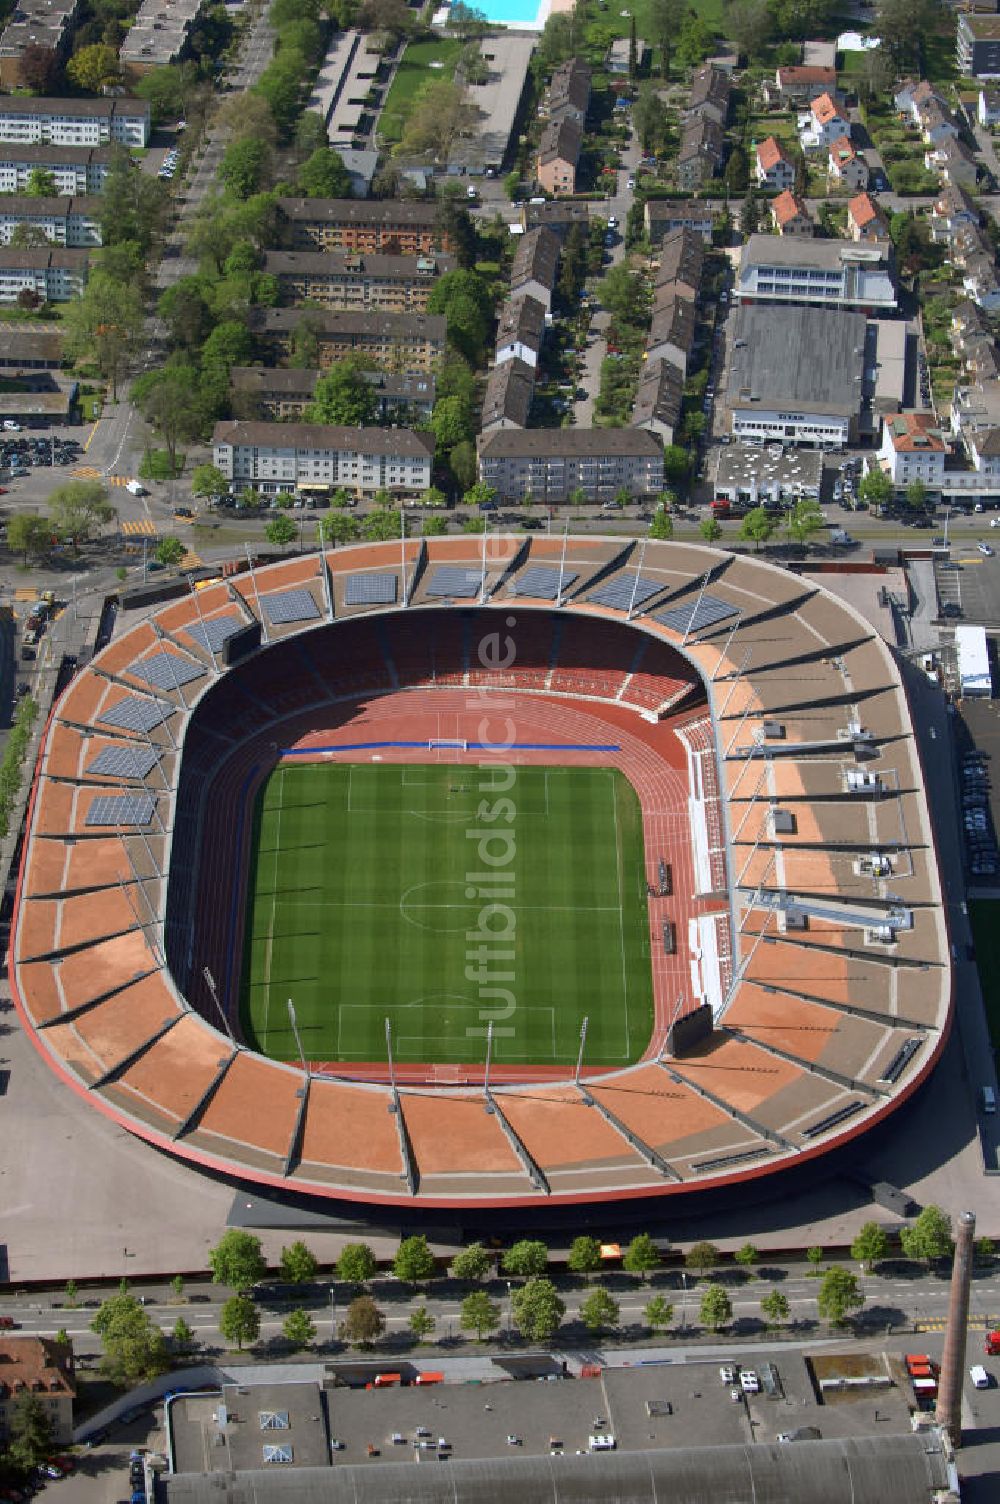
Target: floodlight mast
{"points": [[196, 594], [635, 582], [697, 605], [213, 994], [256, 592], [293, 1020], [579, 1058]]}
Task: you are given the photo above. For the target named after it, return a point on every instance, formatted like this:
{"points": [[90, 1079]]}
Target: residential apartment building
{"points": [[53, 276], [790, 216], [536, 265], [823, 273], [661, 216], [659, 399], [711, 89], [520, 330], [988, 108], [701, 152], [911, 97], [846, 167], [398, 341], [774, 167], [159, 35], [558, 156], [274, 394], [822, 124], [952, 213], [671, 331], [975, 419], [682, 261], [393, 226], [350, 279], [273, 457], [568, 94], [953, 162], [44, 1368], [865, 220], [74, 122], [559, 217], [36, 23], [63, 221], [77, 170], [510, 387], [552, 463], [913, 449], [977, 46], [800, 84]]}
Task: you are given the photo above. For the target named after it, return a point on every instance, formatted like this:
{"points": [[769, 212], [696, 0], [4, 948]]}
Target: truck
{"points": [[991, 1347]]}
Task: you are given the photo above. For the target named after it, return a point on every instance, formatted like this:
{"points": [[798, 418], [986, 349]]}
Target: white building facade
{"points": [[286, 457]]}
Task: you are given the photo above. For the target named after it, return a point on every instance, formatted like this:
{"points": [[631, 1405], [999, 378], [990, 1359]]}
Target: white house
{"points": [[521, 330], [913, 448], [936, 122], [74, 122], [846, 166], [273, 457], [975, 419], [55, 275], [63, 221], [774, 167], [988, 108], [822, 124]]}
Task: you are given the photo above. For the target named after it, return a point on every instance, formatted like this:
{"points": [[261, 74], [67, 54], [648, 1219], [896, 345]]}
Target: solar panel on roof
{"points": [[694, 615], [121, 809], [453, 580], [133, 713], [213, 633], [370, 590], [290, 605], [123, 762], [164, 670], [542, 581], [626, 591]]}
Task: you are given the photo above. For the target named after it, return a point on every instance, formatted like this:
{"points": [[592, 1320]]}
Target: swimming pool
{"points": [[530, 14]]}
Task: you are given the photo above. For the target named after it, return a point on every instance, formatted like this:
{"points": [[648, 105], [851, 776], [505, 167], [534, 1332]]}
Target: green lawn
{"points": [[984, 915], [358, 911], [414, 71]]}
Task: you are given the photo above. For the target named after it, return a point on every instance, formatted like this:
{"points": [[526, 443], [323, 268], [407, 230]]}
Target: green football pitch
{"points": [[359, 910]]}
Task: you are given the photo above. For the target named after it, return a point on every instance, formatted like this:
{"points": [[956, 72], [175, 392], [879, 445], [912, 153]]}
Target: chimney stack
{"points": [[949, 1403]]}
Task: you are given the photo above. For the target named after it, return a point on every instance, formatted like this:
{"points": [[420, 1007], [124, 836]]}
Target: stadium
{"points": [[487, 872]]}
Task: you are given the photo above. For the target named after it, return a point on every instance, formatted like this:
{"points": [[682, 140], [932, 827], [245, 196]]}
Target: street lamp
{"points": [[510, 1312]]}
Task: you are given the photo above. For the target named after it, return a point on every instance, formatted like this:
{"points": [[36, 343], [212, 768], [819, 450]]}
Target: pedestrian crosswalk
{"points": [[91, 472], [191, 560], [938, 1323]]}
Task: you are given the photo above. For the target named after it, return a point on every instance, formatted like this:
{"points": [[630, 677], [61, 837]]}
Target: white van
{"points": [[980, 1378], [989, 1099], [135, 489]]}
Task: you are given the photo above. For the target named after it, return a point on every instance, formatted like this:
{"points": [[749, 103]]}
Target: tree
{"points": [[30, 1431], [62, 1336], [422, 1323], [434, 527], [236, 1260], [676, 464], [462, 462], [815, 1256], [748, 24], [452, 422], [339, 528], [599, 1311], [479, 1314], [170, 552], [356, 1264], [299, 1329], [364, 1323], [177, 1286], [472, 1263], [465, 300], [71, 1290], [132, 204], [985, 1252], [662, 525], [467, 21], [701, 1257], [527, 1257], [758, 525], [902, 24], [28, 533], [736, 175], [749, 215], [641, 1255], [323, 175], [244, 167], [710, 529], [28, 237], [916, 496], [187, 310], [384, 522], [239, 1320], [78, 507], [876, 489], [659, 1313], [208, 480], [134, 1347], [930, 1236], [665, 17], [440, 114], [182, 1336], [104, 324], [716, 1309], [838, 1294], [775, 1306], [41, 183], [343, 397], [804, 521], [538, 1309], [170, 400], [298, 1263], [38, 67], [584, 1255], [747, 1256], [281, 531], [94, 68], [696, 41], [870, 1246], [414, 1261]]}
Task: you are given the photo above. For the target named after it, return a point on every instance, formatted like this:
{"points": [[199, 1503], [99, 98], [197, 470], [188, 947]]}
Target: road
{"points": [[909, 1300]]}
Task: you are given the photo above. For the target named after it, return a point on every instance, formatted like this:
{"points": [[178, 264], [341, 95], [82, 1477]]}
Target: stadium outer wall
{"points": [[66, 1060]]}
